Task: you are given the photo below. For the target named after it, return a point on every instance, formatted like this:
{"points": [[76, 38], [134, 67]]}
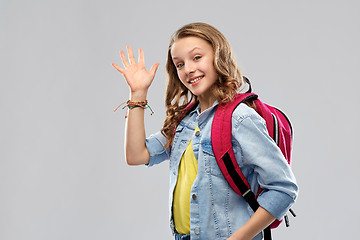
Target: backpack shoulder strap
{"points": [[223, 149]]}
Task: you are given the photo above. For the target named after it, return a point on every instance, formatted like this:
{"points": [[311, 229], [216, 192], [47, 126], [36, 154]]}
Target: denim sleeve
{"points": [[155, 144], [271, 169]]}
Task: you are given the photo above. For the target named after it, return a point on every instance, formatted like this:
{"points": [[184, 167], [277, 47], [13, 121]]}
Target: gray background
{"points": [[62, 168]]}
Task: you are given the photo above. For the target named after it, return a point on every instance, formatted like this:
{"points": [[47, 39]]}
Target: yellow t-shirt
{"points": [[181, 205]]}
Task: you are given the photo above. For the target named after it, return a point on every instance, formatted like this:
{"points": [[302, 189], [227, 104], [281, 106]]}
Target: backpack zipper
{"points": [[276, 129]]}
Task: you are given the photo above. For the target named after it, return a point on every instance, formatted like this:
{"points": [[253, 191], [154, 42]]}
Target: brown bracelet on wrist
{"points": [[134, 104]]}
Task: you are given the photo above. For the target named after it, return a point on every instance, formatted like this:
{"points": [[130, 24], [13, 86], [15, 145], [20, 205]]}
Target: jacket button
{"points": [[194, 196], [197, 133], [197, 231]]}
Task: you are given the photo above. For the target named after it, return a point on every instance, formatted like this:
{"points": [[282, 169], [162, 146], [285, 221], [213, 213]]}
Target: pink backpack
{"points": [[279, 129]]}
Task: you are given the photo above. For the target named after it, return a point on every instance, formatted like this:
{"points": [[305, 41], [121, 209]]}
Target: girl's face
{"points": [[193, 58]]}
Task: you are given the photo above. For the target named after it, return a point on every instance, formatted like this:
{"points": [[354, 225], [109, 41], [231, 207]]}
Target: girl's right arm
{"points": [[139, 81]]}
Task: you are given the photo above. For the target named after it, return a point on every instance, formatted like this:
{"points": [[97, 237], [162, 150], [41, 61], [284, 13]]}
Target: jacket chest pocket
{"points": [[178, 148], [211, 165]]}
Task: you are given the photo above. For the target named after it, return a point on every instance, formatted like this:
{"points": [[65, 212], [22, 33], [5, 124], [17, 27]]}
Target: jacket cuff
{"points": [[275, 202], [155, 145]]}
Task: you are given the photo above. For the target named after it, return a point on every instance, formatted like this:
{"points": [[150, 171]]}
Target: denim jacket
{"points": [[216, 211]]}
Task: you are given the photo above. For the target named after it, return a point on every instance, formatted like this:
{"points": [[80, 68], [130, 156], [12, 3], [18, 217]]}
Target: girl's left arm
{"points": [[271, 172], [259, 221]]}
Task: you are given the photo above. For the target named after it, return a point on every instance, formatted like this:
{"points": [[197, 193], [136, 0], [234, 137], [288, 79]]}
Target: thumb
{"points": [[154, 68]]}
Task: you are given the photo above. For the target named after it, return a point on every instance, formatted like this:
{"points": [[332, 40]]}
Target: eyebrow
{"points": [[192, 50]]}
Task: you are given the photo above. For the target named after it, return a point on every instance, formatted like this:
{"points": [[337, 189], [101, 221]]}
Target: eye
{"points": [[179, 65], [197, 58]]}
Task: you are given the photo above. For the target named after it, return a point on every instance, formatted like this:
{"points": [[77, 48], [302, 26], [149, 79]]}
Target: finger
{"points": [[123, 58], [154, 68], [131, 55], [141, 56], [118, 68]]}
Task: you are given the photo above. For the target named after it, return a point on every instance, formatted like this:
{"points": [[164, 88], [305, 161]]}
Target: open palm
{"points": [[136, 76]]}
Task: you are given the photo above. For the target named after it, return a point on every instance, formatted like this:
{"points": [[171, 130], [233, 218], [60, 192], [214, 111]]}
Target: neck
{"points": [[205, 103]]}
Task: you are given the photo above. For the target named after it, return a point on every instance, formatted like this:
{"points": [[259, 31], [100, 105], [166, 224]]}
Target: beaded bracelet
{"points": [[132, 104]]}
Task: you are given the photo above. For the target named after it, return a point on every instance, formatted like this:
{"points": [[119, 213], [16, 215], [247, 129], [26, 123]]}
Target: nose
{"points": [[189, 67]]}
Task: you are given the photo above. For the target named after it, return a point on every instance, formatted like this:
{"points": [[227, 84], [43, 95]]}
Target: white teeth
{"points": [[196, 79]]}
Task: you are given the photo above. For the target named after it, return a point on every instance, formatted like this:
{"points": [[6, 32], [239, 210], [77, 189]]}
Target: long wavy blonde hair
{"points": [[177, 96]]}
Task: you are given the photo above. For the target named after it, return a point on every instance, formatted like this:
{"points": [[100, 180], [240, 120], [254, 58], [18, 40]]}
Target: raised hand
{"points": [[136, 76]]}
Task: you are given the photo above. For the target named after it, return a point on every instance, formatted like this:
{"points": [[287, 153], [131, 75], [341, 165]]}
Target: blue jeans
{"points": [[179, 236]]}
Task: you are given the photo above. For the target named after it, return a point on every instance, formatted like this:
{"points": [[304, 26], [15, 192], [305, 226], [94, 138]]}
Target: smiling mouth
{"points": [[195, 79]]}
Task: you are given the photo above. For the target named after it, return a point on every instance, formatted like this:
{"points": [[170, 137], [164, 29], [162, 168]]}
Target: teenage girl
{"points": [[201, 68]]}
